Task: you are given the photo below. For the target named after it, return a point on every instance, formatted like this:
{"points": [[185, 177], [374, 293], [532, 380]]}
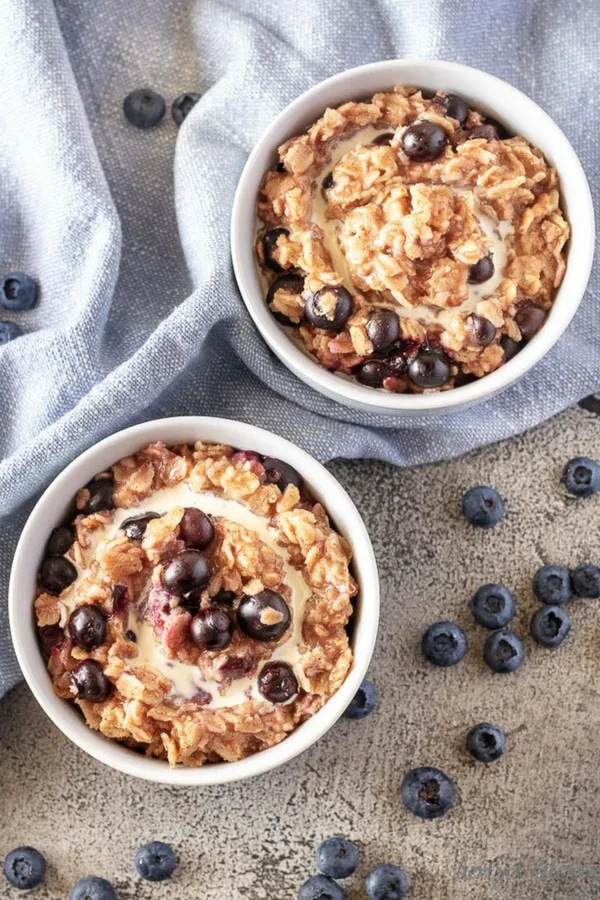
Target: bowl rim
{"points": [[566, 300], [48, 511]]}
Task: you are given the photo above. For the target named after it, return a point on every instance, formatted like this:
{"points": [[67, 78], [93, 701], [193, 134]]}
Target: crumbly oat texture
{"points": [[166, 696], [454, 227]]}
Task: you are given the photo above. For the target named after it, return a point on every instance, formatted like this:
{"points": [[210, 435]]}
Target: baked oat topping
{"points": [[197, 611], [410, 242]]}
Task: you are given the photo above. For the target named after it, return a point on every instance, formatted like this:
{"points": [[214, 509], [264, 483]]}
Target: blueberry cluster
{"points": [[18, 293], [145, 108], [338, 858]]}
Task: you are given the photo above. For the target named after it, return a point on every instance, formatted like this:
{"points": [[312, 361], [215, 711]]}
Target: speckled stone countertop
{"points": [[526, 827]]}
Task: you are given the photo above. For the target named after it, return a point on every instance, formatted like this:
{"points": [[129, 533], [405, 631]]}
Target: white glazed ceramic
{"points": [[49, 512], [485, 92]]}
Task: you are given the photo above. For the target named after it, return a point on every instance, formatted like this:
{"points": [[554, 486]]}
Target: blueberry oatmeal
{"points": [[196, 607], [410, 242]]}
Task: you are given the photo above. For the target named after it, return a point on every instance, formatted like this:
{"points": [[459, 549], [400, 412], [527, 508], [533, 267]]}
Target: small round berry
{"points": [[429, 369], [269, 243], [87, 626], [530, 319], [364, 701], [386, 882], [493, 606], [383, 140], [444, 644], [280, 473], [25, 868], [585, 581], [483, 506], [510, 347], [481, 271], [550, 625], [482, 330], [56, 574], [337, 857], [330, 308], [289, 284], [100, 495], [8, 332], [264, 616], [90, 682], [60, 540], [504, 651], [456, 108], [428, 792], [212, 629], [52, 638], [196, 529], [188, 571], [485, 742], [424, 141], [383, 328], [223, 598], [373, 373], [581, 476], [552, 584], [183, 105], [319, 887], [144, 108], [135, 526], [277, 682], [155, 861], [18, 292], [92, 888]]}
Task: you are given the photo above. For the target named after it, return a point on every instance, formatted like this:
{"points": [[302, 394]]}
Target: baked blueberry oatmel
{"points": [[410, 225], [197, 607]]}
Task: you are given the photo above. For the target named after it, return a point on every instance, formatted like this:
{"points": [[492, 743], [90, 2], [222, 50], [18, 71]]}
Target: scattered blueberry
{"points": [[510, 347], [504, 651], [483, 507], [18, 292], [383, 140], [550, 625], [183, 105], [223, 598], [429, 369], [269, 243], [25, 868], [530, 319], [552, 584], [90, 682], [428, 792], [329, 308], [56, 574], [60, 540], [290, 284], [581, 476], [319, 887], [337, 857], [363, 702], [457, 108], [144, 108], [277, 682], [92, 888], [188, 571], [155, 861], [280, 473], [135, 526], [585, 580], [100, 495], [481, 271], [486, 742], [493, 606], [196, 529], [9, 331], [87, 626], [386, 882], [424, 141], [212, 629], [444, 644], [373, 373], [482, 330], [264, 616], [383, 328]]}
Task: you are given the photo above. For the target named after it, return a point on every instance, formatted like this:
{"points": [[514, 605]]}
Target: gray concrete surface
{"points": [[526, 827]]}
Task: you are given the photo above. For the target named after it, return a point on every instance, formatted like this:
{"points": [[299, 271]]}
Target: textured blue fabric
{"points": [[127, 231]]}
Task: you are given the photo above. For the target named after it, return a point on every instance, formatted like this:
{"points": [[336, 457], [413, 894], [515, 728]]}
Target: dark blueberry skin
{"points": [[280, 473], [585, 581], [327, 182], [504, 651], [330, 308], [483, 507], [456, 108], [87, 626], [337, 857], [277, 682], [424, 141], [155, 861], [51, 638], [101, 495], [428, 792], [383, 140], [493, 606], [183, 105], [386, 882], [486, 742], [144, 108], [90, 682], [444, 644], [292, 284], [552, 585], [252, 609], [373, 373], [269, 243], [18, 292], [56, 574], [223, 598], [510, 347], [92, 888], [131, 636], [321, 888], [212, 629], [188, 571], [135, 526], [482, 330], [530, 319], [383, 329], [363, 702], [481, 271], [550, 625], [196, 529], [581, 476], [25, 868], [429, 369], [120, 598], [8, 332], [487, 132], [60, 540]]}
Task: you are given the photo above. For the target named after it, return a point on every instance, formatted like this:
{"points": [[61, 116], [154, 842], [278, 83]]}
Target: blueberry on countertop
{"points": [[92, 888], [585, 581], [319, 887], [364, 701], [144, 108], [25, 868], [18, 292], [386, 882], [9, 331], [485, 742], [444, 643], [504, 651], [552, 584], [483, 506], [581, 476], [550, 625], [493, 606], [155, 861], [428, 792], [337, 857], [183, 105]]}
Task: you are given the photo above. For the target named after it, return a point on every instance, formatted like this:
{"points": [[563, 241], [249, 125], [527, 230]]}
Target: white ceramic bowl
{"points": [[485, 92], [49, 512]]}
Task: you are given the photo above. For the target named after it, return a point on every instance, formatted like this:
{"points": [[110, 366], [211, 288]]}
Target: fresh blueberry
{"points": [[56, 574], [481, 329], [270, 245], [481, 271], [429, 369], [373, 373], [552, 584], [444, 644], [25, 868], [155, 861], [90, 682], [428, 792], [223, 598], [183, 105], [188, 571], [483, 507], [383, 328], [504, 651], [337, 857], [319, 887], [363, 702], [264, 616], [52, 638], [87, 626], [144, 108], [280, 473], [581, 476], [9, 331], [386, 882], [18, 292], [60, 540], [485, 742], [329, 308], [493, 606], [424, 141], [457, 108], [510, 347], [383, 140], [135, 526], [92, 888], [277, 682], [530, 319], [585, 580], [550, 625], [100, 495], [212, 629], [196, 529], [289, 284]]}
